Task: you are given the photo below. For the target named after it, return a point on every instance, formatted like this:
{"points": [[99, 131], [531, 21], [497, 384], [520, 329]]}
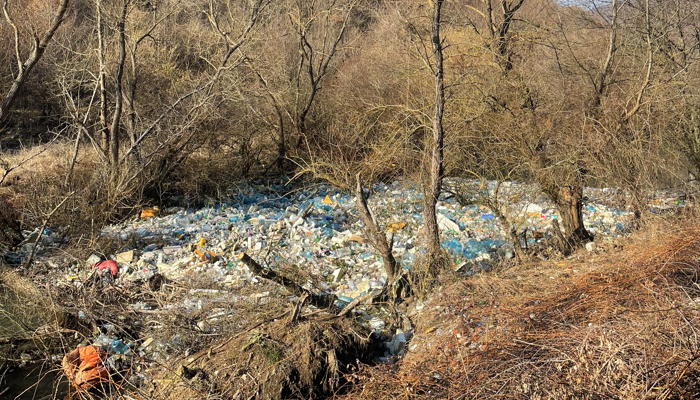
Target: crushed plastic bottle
{"points": [[118, 347]]}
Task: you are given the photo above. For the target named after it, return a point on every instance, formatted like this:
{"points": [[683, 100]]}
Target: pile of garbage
{"points": [[318, 231], [313, 234]]}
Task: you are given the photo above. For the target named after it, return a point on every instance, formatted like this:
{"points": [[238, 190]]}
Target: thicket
{"points": [[112, 104]]}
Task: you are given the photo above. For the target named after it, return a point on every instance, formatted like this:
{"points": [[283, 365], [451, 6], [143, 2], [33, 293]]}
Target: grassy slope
{"points": [[620, 324]]}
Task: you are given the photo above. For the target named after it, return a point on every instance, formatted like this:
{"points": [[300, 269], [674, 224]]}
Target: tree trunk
{"points": [[510, 229], [434, 186], [36, 54], [281, 146], [119, 99], [378, 235], [569, 203], [104, 129], [326, 301]]}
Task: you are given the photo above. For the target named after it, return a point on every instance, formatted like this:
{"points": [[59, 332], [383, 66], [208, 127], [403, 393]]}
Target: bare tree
{"points": [[319, 34], [498, 28], [433, 187], [39, 45]]}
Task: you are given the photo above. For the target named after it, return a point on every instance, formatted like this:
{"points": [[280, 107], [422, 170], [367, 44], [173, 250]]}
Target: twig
{"points": [[41, 231], [357, 301], [298, 306]]}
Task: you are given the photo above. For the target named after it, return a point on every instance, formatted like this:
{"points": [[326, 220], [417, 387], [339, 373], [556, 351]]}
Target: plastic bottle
{"points": [[453, 246], [117, 346]]}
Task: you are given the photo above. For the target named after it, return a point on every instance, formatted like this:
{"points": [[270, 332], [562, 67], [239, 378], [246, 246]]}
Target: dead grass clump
{"points": [[619, 325], [23, 308], [274, 360]]}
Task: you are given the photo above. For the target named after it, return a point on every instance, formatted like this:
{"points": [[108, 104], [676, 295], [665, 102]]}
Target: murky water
{"points": [[33, 382]]}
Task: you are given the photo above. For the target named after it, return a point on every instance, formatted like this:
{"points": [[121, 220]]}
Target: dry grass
{"points": [[38, 182], [43, 160], [23, 308], [622, 325]]}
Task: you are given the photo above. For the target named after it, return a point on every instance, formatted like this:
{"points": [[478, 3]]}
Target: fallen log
{"points": [[324, 300]]}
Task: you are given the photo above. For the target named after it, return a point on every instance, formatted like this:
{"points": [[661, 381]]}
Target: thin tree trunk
{"points": [[131, 100], [104, 128], [131, 106], [73, 159], [28, 262], [281, 145], [119, 99], [391, 267], [511, 230], [602, 80], [436, 160], [34, 57]]}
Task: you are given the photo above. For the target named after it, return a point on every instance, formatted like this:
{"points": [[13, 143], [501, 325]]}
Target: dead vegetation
{"points": [[23, 308], [189, 339], [622, 325], [273, 360], [215, 91]]}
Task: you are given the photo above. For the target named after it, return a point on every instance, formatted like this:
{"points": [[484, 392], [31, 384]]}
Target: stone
{"points": [[590, 246]]}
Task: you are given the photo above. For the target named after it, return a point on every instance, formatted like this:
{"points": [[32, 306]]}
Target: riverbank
{"points": [[209, 326]]}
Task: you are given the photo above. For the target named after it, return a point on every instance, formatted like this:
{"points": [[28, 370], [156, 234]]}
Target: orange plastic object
{"points": [[150, 213], [200, 254], [205, 255], [85, 367]]}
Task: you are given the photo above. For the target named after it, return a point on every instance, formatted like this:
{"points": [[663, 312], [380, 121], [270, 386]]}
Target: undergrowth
{"points": [[621, 325]]}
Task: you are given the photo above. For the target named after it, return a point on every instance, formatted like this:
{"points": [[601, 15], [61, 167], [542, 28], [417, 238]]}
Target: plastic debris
{"points": [[447, 224], [85, 367], [118, 347], [93, 259], [319, 230], [150, 213], [125, 257], [397, 226], [111, 265], [397, 345]]}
